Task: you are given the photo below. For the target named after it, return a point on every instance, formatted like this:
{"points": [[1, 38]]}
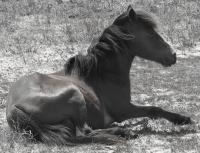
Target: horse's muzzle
{"points": [[169, 61]]}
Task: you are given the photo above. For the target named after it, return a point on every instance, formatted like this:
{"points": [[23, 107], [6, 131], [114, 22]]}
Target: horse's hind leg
{"points": [[105, 136], [114, 131], [133, 111]]}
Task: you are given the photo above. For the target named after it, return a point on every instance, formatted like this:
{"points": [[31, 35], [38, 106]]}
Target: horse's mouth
{"points": [[166, 65], [167, 62]]}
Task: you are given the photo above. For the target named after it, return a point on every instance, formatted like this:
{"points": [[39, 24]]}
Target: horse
{"points": [[80, 103]]}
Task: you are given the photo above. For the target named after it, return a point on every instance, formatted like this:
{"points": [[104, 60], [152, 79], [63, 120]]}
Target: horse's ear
{"points": [[131, 13]]}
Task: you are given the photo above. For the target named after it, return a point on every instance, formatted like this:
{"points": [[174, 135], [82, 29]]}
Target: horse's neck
{"points": [[115, 81], [118, 64]]}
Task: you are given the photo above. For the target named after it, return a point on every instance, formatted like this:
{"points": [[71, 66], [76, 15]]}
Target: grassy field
{"points": [[42, 35]]}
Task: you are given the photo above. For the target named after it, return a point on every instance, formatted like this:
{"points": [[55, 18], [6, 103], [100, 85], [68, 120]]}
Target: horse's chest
{"points": [[113, 99]]}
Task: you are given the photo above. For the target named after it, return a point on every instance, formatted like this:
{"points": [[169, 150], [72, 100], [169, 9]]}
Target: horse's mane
{"points": [[110, 42]]}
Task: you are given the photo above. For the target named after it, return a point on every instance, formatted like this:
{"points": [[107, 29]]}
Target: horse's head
{"points": [[147, 43]]}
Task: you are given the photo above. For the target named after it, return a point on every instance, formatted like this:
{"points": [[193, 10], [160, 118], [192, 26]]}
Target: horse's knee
{"points": [[84, 130], [79, 104], [76, 97]]}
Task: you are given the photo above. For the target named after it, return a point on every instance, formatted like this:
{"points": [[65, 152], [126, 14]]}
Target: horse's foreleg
{"points": [[133, 111]]}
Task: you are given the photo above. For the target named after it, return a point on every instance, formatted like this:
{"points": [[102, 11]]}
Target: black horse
{"points": [[94, 91]]}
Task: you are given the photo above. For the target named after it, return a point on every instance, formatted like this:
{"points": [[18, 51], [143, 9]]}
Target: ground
{"points": [[41, 40], [175, 89]]}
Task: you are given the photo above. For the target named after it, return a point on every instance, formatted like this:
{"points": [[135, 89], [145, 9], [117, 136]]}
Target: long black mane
{"points": [[111, 41]]}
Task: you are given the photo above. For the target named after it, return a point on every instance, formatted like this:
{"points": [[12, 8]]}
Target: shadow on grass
{"points": [[150, 131], [146, 129]]}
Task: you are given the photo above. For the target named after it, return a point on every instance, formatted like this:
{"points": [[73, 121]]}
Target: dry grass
{"points": [[27, 25], [42, 35]]}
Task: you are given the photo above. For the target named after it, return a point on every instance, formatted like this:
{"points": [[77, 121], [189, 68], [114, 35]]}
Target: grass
{"points": [[26, 25], [175, 89], [42, 35]]}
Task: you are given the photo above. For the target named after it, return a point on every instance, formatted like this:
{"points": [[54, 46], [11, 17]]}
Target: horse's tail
{"points": [[57, 134]]}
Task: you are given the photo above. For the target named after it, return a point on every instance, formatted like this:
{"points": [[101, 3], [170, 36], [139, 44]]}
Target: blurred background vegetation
{"points": [[27, 25]]}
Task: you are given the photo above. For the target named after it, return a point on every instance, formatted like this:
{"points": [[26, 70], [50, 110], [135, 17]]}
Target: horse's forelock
{"points": [[147, 18]]}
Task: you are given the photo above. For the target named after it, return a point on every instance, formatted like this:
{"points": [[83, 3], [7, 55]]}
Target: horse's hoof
{"points": [[128, 134], [182, 120], [110, 141], [132, 136]]}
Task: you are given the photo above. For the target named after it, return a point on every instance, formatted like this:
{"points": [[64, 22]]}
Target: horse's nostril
{"points": [[174, 55]]}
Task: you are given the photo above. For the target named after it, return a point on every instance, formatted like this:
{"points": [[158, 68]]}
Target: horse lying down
{"points": [[94, 90]]}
